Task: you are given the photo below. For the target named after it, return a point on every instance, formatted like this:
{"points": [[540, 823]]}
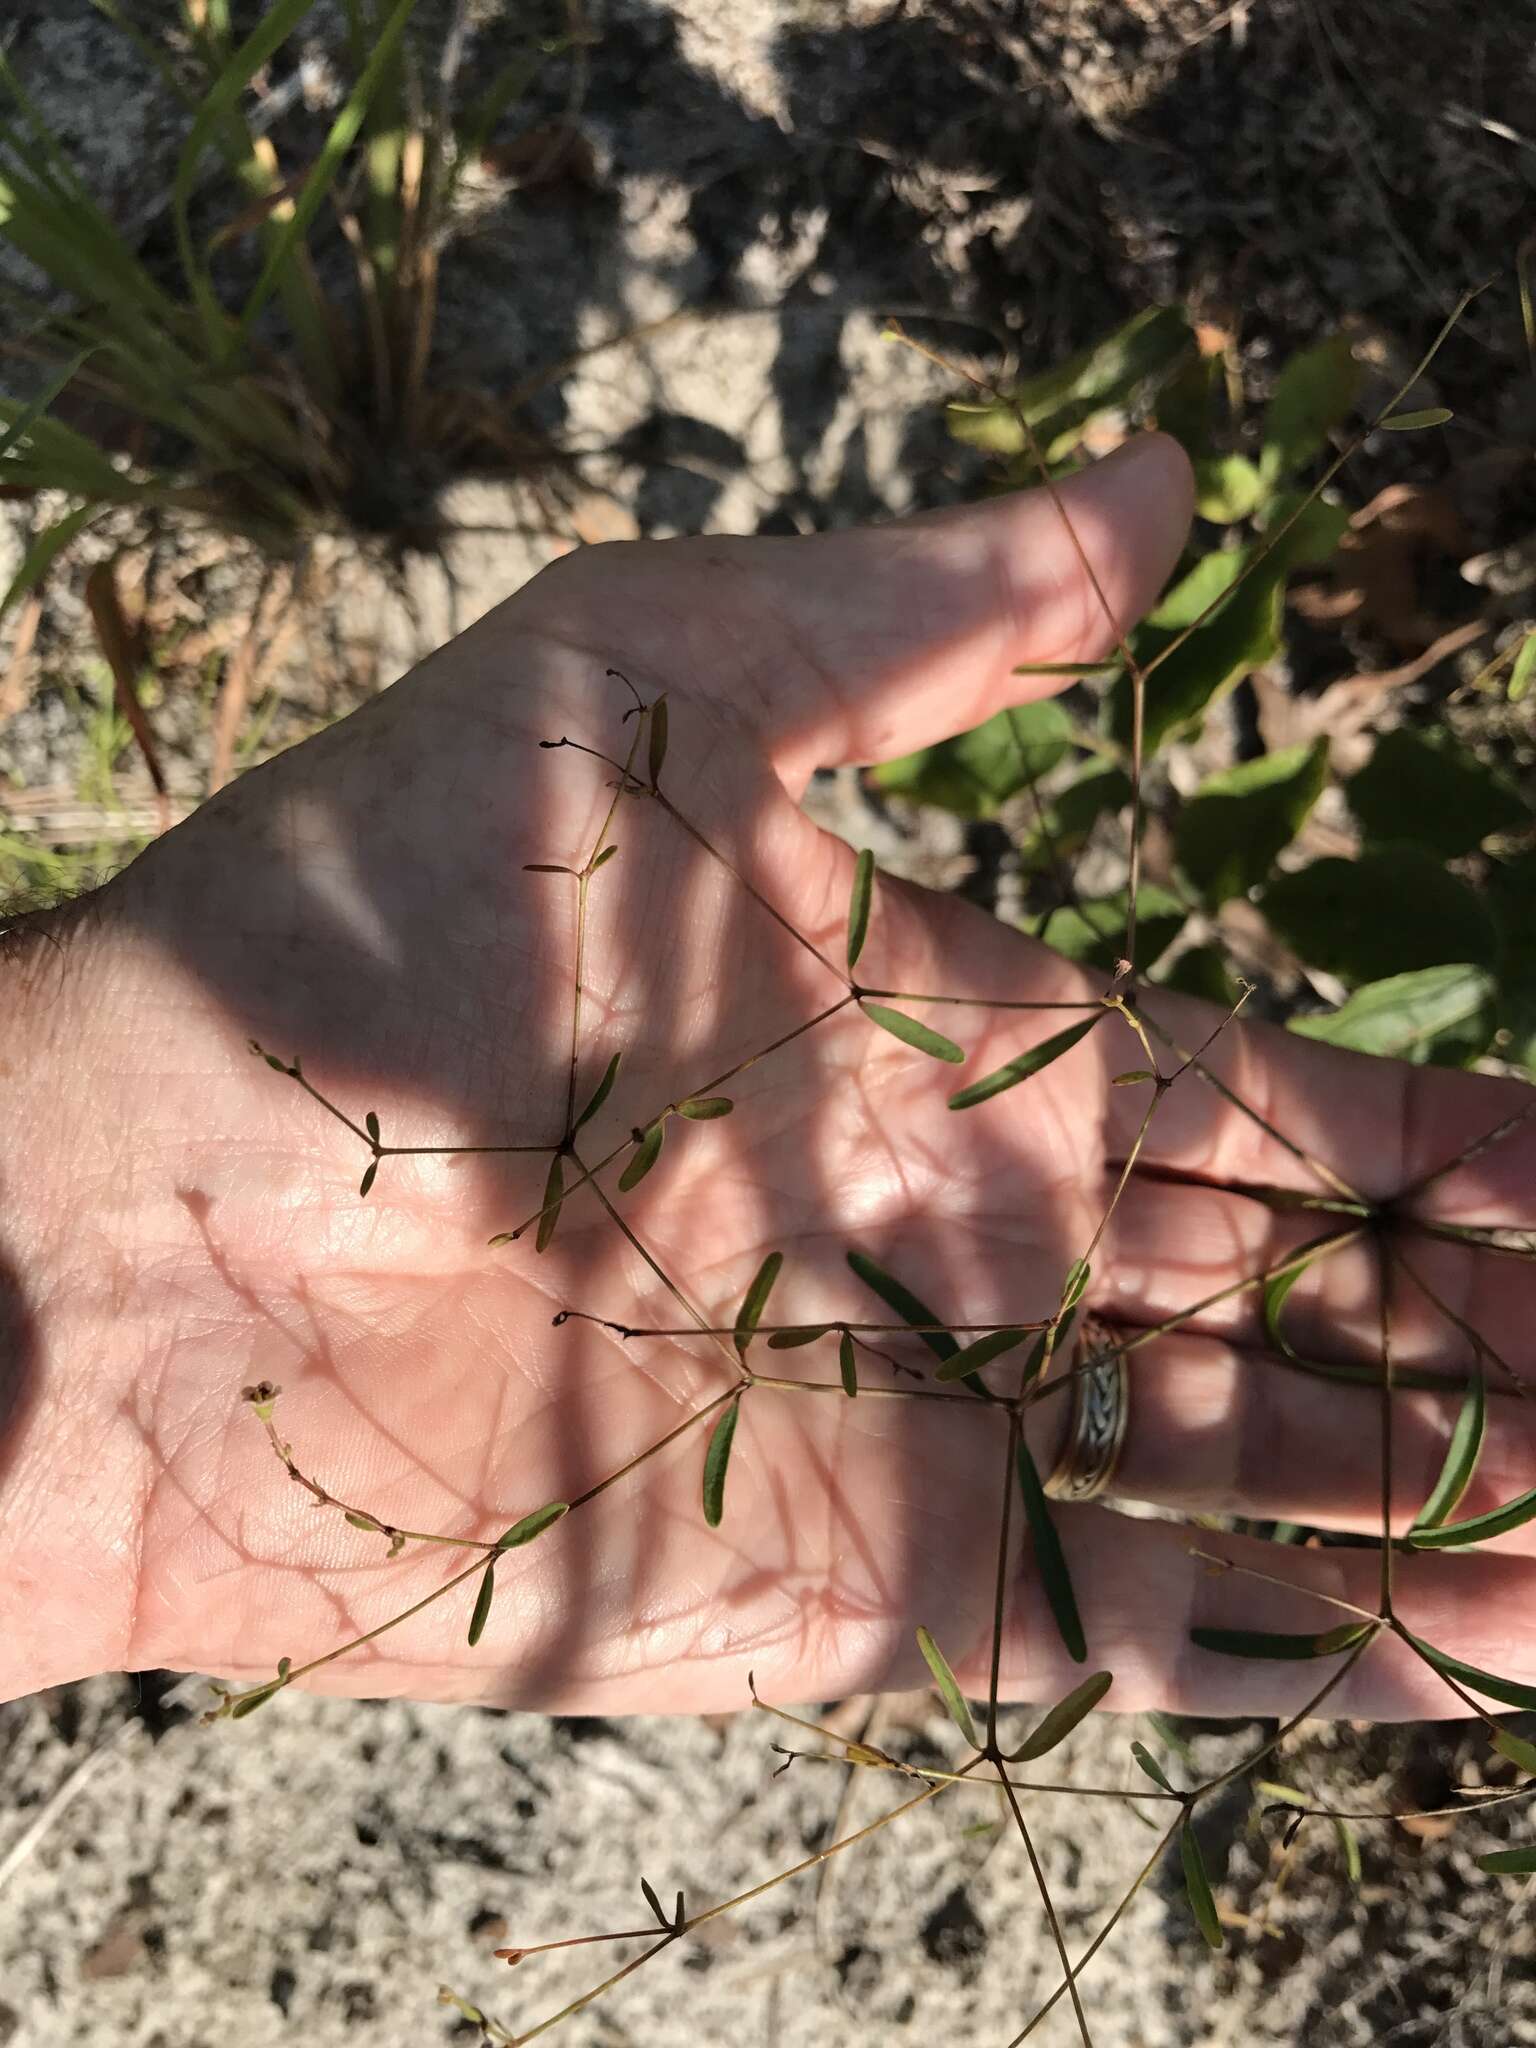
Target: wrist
{"points": [[71, 1493]]}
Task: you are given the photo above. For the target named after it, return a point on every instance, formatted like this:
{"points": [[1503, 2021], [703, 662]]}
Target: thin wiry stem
{"points": [[1050, 1911], [583, 887], [1481, 1348], [1385, 1419], [1103, 1934], [671, 1109], [1000, 1587], [1501, 1130]]}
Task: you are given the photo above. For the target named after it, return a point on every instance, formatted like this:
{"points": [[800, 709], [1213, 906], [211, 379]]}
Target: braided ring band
{"points": [[1095, 1433]]}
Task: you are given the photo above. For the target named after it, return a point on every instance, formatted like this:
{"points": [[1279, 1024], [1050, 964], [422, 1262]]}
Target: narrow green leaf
{"points": [[554, 1189], [21, 426], [1131, 1076], [657, 738], [858, 906], [371, 1125], [979, 1353], [285, 245], [1063, 1718], [703, 1109], [1276, 1290], [1410, 422], [1349, 1849], [364, 1522], [1051, 1559], [1509, 1862], [1479, 1528], [791, 1340], [533, 1525], [1076, 1283], [846, 1366], [949, 1691], [913, 1033], [43, 551], [1524, 669], [369, 1173], [1252, 1642], [1461, 1456], [904, 1302], [1068, 668], [483, 1598], [755, 1300], [716, 1460], [1198, 1886], [248, 1702], [600, 1093], [1025, 1065], [655, 1905], [645, 1156], [1150, 1765], [603, 858], [1516, 1748], [1509, 1690]]}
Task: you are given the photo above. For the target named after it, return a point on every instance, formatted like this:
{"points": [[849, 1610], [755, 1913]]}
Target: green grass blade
{"points": [[46, 547], [322, 175], [222, 100]]}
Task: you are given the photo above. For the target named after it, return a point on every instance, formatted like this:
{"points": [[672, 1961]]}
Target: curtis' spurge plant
{"points": [[995, 1371]]}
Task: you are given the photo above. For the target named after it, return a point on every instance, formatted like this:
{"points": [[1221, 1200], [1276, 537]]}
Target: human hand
{"points": [[190, 1223]]}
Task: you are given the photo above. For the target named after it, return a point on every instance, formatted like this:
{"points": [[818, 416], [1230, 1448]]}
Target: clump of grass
{"points": [[244, 382]]}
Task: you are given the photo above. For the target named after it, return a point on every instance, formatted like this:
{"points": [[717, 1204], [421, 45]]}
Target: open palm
{"points": [[363, 903]]}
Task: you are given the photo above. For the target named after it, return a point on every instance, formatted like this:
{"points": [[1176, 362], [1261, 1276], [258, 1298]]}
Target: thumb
{"points": [[892, 638]]}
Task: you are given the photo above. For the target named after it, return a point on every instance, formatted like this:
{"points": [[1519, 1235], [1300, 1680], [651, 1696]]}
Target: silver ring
{"points": [[1100, 1408]]}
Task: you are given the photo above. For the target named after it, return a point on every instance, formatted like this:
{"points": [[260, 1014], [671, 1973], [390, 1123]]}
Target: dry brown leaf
{"points": [[1379, 571], [16, 683], [552, 153]]}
